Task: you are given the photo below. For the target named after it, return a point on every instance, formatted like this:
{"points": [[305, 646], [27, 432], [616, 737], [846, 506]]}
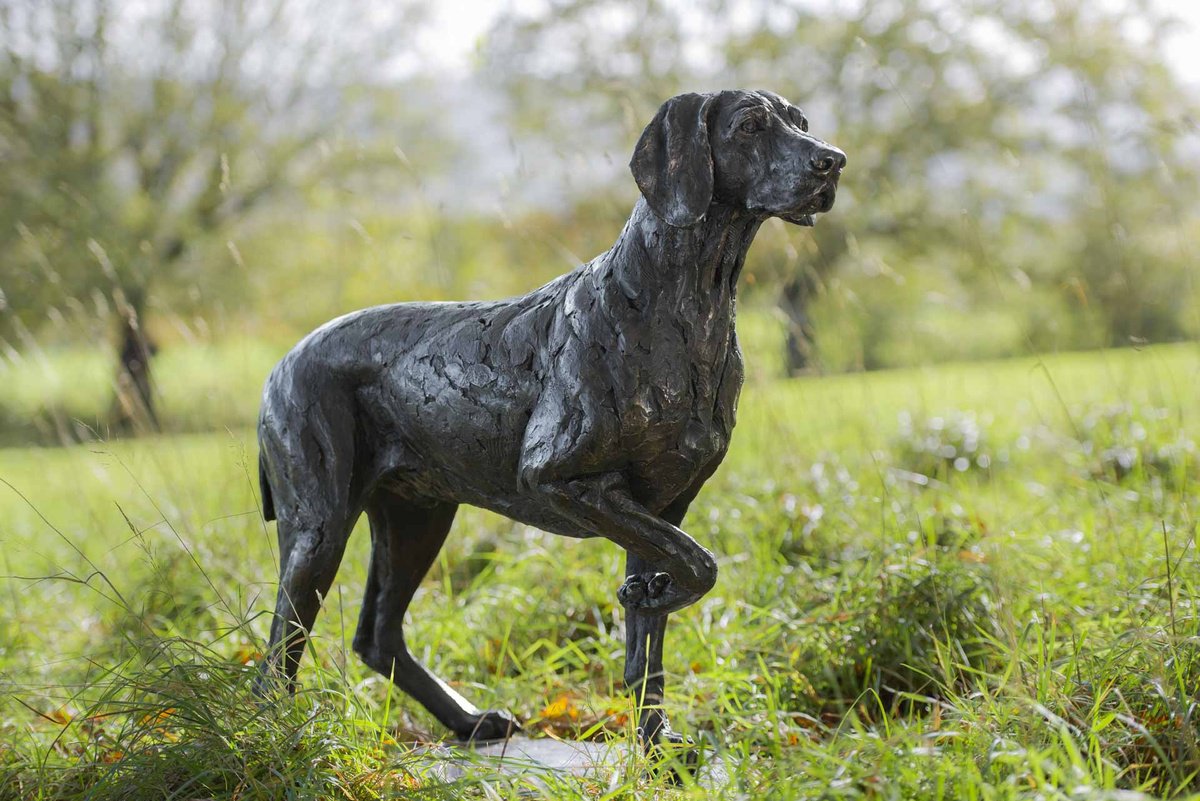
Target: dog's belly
{"points": [[447, 437], [493, 490]]}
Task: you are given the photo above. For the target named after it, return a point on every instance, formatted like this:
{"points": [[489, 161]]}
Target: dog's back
{"points": [[434, 394]]}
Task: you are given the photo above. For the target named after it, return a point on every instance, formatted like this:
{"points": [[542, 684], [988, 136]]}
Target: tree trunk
{"points": [[133, 408], [794, 300]]}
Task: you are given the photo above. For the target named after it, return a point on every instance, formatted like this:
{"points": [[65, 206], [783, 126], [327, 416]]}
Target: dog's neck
{"points": [[697, 266]]}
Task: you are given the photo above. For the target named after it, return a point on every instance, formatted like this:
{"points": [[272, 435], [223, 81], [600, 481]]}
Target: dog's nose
{"points": [[828, 159]]}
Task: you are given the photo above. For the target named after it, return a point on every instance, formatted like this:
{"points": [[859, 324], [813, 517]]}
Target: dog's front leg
{"points": [[683, 570], [644, 636], [644, 677], [666, 570]]}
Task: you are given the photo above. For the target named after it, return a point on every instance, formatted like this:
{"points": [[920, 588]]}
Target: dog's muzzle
{"points": [[819, 202]]}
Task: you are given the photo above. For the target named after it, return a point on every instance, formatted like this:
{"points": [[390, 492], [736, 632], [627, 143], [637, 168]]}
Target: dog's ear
{"points": [[672, 162]]}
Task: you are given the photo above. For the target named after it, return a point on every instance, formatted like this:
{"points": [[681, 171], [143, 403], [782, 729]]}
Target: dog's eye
{"points": [[798, 118], [750, 125]]}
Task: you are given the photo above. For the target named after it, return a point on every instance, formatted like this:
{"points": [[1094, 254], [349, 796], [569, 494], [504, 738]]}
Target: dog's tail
{"points": [[264, 486]]}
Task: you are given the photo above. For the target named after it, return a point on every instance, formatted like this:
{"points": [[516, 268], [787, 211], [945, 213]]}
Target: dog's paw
{"points": [[667, 749], [652, 592], [494, 724]]}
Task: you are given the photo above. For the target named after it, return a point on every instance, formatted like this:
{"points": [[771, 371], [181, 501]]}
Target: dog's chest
{"points": [[681, 412]]}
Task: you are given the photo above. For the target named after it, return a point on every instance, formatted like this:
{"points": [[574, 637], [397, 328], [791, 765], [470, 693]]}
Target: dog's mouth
{"points": [[819, 203]]}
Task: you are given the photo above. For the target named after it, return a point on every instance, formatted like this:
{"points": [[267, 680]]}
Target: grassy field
{"points": [[966, 582]]}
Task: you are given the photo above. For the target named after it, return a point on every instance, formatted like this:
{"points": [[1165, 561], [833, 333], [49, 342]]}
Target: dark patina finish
{"points": [[596, 405]]}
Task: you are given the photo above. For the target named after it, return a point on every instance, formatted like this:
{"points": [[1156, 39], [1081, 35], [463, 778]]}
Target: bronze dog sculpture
{"points": [[596, 405]]}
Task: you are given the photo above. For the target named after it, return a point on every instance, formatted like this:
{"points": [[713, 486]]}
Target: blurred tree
{"points": [[131, 135], [1116, 132], [843, 63], [971, 128], [586, 71], [915, 103]]}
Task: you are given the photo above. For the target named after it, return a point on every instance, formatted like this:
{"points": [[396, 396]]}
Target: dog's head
{"points": [[749, 149]]}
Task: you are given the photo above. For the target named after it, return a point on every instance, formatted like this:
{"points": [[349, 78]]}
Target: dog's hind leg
{"points": [[309, 555], [405, 539], [313, 490]]}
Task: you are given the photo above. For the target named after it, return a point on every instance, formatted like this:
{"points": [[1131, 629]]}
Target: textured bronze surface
{"points": [[596, 405]]}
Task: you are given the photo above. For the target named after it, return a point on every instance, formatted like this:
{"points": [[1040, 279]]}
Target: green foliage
{"points": [[60, 395], [1029, 636], [1118, 442], [920, 624], [1018, 175], [935, 446], [177, 723], [138, 140], [1018, 182]]}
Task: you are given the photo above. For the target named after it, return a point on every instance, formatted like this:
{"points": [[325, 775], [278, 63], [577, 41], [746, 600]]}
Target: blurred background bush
{"points": [[188, 186]]}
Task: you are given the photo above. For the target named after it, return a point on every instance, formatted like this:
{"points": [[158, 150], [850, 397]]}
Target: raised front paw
{"points": [[653, 592], [494, 724]]}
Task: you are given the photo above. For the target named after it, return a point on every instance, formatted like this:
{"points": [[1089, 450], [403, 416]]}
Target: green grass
{"points": [[966, 582]]}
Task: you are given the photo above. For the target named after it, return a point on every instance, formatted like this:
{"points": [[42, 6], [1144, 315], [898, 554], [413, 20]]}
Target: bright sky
{"points": [[459, 24], [1185, 50]]}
